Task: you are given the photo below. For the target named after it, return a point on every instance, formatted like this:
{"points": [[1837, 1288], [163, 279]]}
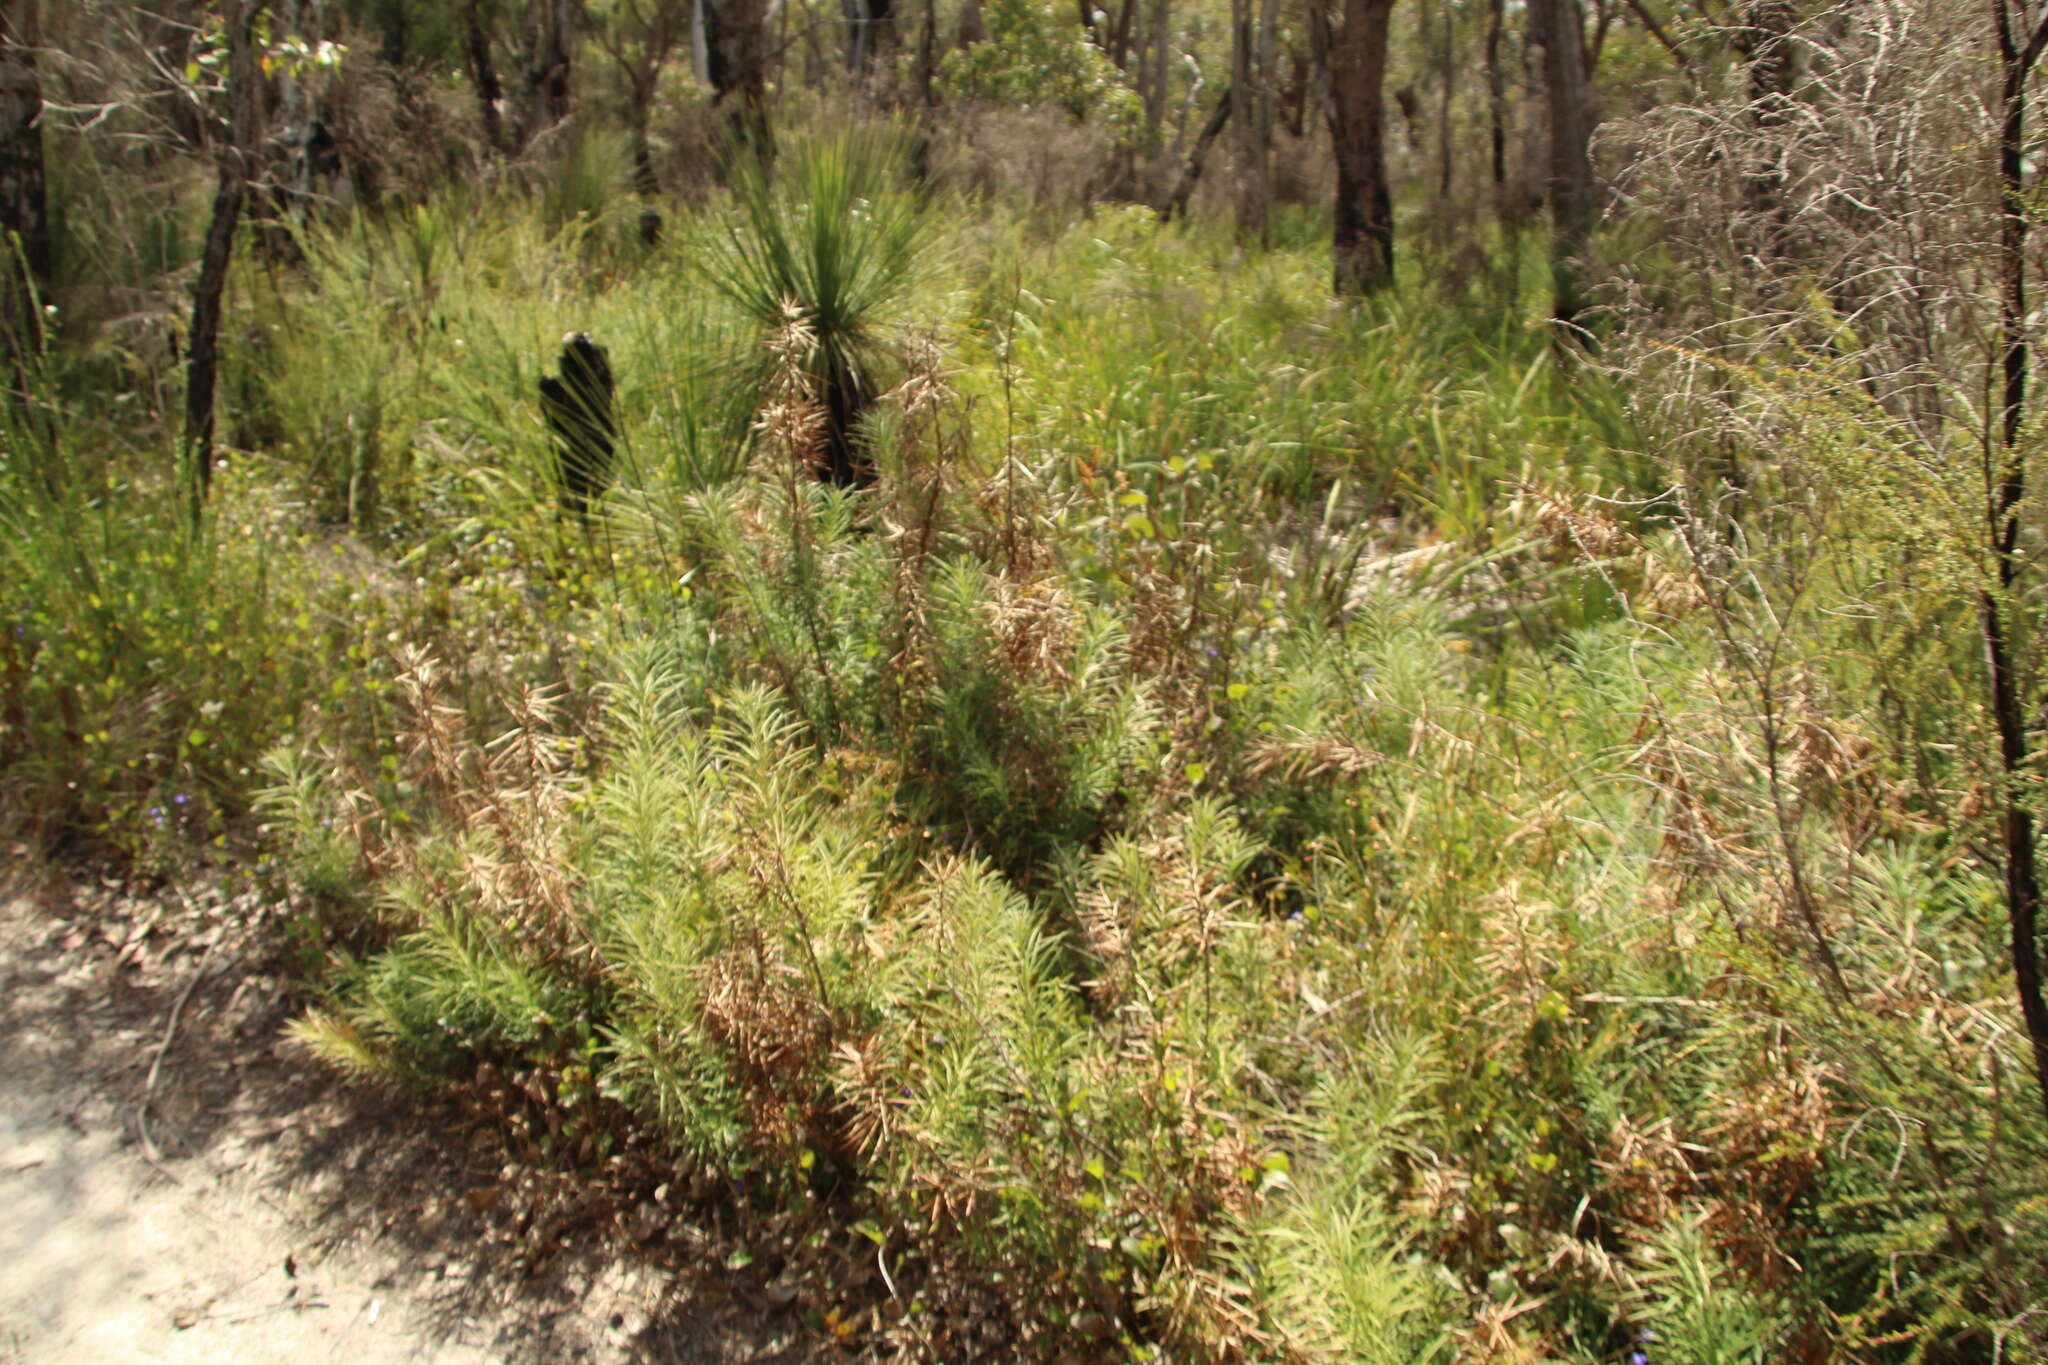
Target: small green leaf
{"points": [[1196, 772]]}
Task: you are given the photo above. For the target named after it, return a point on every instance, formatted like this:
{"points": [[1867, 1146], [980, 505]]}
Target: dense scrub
{"points": [[1271, 831]]}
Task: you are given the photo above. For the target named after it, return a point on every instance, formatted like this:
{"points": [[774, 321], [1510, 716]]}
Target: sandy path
{"points": [[268, 1214]]}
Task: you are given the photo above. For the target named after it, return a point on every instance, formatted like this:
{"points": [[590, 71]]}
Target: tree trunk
{"points": [[1253, 191], [1362, 239], [549, 80], [927, 71], [1156, 75], [1573, 207], [1765, 41], [275, 209], [2016, 751], [1177, 203], [24, 200], [1447, 74], [870, 29], [483, 75], [737, 46], [1496, 99], [1120, 35], [202, 342]]}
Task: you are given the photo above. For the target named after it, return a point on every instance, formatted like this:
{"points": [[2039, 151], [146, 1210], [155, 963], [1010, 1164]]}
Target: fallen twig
{"points": [[157, 1062]]}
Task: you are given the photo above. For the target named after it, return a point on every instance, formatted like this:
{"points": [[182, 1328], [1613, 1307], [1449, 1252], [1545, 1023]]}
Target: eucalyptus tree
{"points": [[1362, 244]]}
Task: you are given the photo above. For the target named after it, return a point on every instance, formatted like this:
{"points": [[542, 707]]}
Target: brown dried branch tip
{"points": [[504, 806], [791, 417], [1578, 528], [1309, 756]]}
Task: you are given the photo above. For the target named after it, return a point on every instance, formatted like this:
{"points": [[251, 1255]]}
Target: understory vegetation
{"points": [[1276, 828]]}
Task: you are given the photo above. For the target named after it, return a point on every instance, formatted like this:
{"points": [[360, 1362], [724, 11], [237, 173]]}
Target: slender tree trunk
{"points": [[202, 342], [1120, 35], [286, 182], [1363, 229], [1253, 190], [24, 199], [646, 183], [1177, 203], [1765, 41], [928, 66], [1573, 207], [1447, 75], [870, 30], [971, 29], [483, 74], [700, 43], [1156, 74], [550, 84], [2016, 752], [1267, 53], [1496, 99], [737, 41]]}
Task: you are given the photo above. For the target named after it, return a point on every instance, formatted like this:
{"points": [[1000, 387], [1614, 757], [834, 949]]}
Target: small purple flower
{"points": [[1638, 1358], [180, 799]]}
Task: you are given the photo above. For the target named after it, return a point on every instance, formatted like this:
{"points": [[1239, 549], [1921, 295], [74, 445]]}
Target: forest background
{"points": [[1410, 729]]}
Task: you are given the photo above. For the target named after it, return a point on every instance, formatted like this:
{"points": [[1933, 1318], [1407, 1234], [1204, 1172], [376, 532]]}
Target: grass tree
{"points": [[831, 241]]}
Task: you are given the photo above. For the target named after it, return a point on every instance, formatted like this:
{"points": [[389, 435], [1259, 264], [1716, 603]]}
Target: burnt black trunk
{"points": [[583, 423], [483, 75], [24, 200], [2017, 751], [202, 365]]}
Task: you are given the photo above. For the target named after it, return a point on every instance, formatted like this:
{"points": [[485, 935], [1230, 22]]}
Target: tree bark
{"points": [[1120, 35], [1253, 191], [1447, 75], [202, 342], [736, 41], [1765, 41], [483, 74], [928, 70], [870, 29], [1156, 74], [2017, 828], [1497, 98], [1362, 238], [24, 199], [550, 82], [1573, 207], [1177, 203]]}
